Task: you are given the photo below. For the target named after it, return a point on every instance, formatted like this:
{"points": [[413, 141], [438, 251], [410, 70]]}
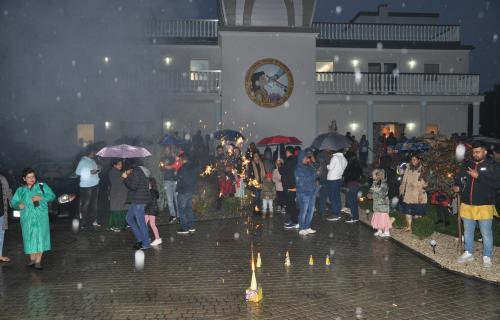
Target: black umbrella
{"points": [[331, 141]]}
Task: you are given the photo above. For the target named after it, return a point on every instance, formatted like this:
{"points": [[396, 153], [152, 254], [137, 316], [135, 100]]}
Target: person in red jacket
{"points": [[226, 186]]}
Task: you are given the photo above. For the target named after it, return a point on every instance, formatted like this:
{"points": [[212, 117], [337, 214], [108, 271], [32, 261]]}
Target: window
{"points": [[322, 70], [197, 68], [84, 134], [431, 70]]}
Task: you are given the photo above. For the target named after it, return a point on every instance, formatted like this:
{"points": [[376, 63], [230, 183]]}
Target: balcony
{"points": [[401, 84], [388, 32], [183, 29]]}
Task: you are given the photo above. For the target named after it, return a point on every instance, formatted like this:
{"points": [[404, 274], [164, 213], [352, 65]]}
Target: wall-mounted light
{"points": [[355, 63], [354, 126], [168, 60], [412, 64], [411, 126], [167, 125], [107, 125]]}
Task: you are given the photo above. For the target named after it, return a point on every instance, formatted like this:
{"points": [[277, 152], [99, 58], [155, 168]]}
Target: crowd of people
{"points": [[290, 181]]}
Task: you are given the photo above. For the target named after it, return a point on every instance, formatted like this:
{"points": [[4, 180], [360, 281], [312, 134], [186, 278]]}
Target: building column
{"points": [[369, 129], [475, 118], [423, 117]]}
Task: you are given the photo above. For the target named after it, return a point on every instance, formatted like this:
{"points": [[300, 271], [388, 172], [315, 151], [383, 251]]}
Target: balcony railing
{"points": [[400, 84], [183, 29], [388, 32]]}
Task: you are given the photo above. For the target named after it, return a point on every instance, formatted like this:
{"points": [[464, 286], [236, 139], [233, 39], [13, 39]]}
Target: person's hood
{"points": [[146, 171], [300, 159]]}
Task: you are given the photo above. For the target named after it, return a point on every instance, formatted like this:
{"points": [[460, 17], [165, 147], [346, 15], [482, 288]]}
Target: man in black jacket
{"points": [[186, 187], [478, 185], [287, 172], [138, 196]]}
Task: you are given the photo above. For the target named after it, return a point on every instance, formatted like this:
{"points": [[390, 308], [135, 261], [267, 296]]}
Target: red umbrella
{"points": [[279, 140]]}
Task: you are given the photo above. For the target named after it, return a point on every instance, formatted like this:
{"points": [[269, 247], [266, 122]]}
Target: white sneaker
{"points": [[156, 242], [333, 218], [351, 221], [386, 235], [96, 224], [486, 262], [310, 231], [378, 233], [345, 210], [192, 230], [303, 232], [465, 257]]}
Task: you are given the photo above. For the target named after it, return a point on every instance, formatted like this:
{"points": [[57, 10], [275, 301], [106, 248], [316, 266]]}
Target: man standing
{"points": [[478, 185], [169, 182], [186, 188], [336, 168], [5, 196], [287, 172], [136, 180], [88, 171], [305, 180]]}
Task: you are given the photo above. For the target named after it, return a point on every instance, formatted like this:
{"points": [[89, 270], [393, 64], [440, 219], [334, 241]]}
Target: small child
{"points": [[227, 187], [151, 211], [378, 192], [268, 194], [279, 187]]}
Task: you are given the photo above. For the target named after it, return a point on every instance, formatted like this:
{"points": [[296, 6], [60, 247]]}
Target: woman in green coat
{"points": [[32, 200]]}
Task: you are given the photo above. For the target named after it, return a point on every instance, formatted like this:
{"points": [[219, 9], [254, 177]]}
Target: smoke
{"points": [[55, 74]]}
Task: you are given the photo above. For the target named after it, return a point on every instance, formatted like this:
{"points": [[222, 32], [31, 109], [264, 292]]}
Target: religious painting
{"points": [[269, 83]]}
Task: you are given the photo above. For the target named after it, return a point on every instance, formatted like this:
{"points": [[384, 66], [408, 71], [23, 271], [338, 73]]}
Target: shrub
{"points": [[423, 227], [400, 220]]}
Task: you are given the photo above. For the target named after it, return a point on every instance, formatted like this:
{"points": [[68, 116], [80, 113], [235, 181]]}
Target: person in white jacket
{"points": [[336, 168]]}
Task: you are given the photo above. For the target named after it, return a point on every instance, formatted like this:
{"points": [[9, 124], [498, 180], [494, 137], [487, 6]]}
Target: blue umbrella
{"points": [[412, 147], [227, 134], [169, 139]]}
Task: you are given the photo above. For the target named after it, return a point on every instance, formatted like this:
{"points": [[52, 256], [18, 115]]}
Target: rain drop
{"points": [[5, 12], [495, 37], [236, 235], [357, 76], [338, 9], [139, 260], [332, 252], [380, 46], [115, 79], [79, 285], [73, 63], [75, 225], [58, 99], [423, 272], [78, 94], [394, 202], [286, 104]]}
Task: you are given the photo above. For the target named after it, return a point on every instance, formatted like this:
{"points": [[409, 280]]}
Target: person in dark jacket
{"points": [[117, 197], [186, 187], [152, 211], [305, 181], [287, 172], [352, 176], [136, 180], [478, 185]]}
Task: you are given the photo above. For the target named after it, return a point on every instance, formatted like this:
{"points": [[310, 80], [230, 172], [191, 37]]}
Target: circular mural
{"points": [[269, 83]]}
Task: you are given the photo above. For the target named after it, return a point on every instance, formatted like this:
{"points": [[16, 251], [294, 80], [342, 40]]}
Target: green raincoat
{"points": [[34, 220]]}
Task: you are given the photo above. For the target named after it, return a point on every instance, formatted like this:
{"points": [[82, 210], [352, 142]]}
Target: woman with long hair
{"points": [[412, 190], [32, 200]]}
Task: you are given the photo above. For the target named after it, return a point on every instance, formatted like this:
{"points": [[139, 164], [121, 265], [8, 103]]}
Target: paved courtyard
{"points": [[91, 275]]}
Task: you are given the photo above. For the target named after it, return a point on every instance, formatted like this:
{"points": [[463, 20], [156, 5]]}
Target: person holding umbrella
{"points": [[136, 180]]}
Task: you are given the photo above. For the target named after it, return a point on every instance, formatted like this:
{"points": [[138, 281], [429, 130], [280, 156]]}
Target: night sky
{"points": [[479, 20]]}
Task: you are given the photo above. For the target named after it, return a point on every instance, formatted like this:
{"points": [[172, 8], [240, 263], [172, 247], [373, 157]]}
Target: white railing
{"points": [[400, 84], [388, 32], [183, 29]]}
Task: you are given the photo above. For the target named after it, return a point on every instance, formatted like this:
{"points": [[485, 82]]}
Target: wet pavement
{"points": [[92, 275]]}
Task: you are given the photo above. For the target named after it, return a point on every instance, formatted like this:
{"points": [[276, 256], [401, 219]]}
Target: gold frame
{"points": [[250, 91]]}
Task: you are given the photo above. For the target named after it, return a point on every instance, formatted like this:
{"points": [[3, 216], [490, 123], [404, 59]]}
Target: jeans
{"points": [[88, 205], [186, 215], [352, 200], [136, 220], [2, 233], [485, 226], [291, 206], [170, 187], [306, 203], [333, 189], [322, 195], [267, 203]]}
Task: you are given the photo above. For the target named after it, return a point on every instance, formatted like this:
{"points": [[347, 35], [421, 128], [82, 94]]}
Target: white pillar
{"points": [[423, 117], [475, 118], [369, 129]]}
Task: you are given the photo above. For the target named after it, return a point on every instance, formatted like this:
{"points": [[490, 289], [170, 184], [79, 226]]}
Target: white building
{"points": [[392, 71]]}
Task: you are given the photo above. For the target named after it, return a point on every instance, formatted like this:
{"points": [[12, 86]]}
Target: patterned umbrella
{"points": [[169, 140], [123, 151]]}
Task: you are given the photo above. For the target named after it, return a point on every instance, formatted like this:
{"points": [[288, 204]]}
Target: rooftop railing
{"points": [[398, 84], [388, 32], [184, 29]]}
